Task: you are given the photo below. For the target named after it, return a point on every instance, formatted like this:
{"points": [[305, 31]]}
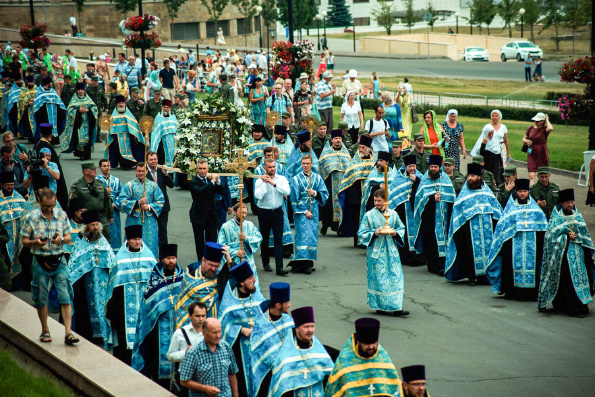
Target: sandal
{"points": [[45, 337], [70, 339]]}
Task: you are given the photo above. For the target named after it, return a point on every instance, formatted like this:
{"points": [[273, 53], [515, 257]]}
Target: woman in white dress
{"points": [[220, 38]]}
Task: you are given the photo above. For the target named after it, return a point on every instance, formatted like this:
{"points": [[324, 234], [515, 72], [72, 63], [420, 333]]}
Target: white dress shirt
{"points": [[178, 345], [271, 197]]}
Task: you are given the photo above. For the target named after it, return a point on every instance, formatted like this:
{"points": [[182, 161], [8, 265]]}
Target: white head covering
{"points": [[498, 112], [451, 111], [347, 95]]}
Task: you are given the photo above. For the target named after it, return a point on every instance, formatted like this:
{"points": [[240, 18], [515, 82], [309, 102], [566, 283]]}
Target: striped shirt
{"points": [[326, 102], [36, 225], [278, 104]]}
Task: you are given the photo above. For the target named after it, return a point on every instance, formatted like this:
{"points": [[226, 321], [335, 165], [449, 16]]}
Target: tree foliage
{"points": [[552, 17], [173, 6], [338, 13], [384, 16], [215, 8], [269, 13], [80, 5], [434, 14], [509, 12], [532, 14], [409, 19], [485, 12], [304, 12], [125, 6]]}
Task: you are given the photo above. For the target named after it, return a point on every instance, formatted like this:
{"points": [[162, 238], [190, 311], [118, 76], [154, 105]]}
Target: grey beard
{"points": [[92, 236], [121, 111]]}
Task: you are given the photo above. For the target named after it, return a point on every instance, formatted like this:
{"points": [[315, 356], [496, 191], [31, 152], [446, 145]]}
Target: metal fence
{"points": [[450, 98]]}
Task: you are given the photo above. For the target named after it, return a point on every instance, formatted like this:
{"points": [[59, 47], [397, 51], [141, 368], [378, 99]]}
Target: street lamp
{"points": [[457, 15], [471, 21], [268, 58], [318, 17], [324, 15], [522, 14], [258, 11]]}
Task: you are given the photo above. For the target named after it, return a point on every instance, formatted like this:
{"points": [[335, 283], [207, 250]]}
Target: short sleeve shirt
{"points": [[493, 145], [327, 102], [168, 77], [37, 225], [209, 368]]}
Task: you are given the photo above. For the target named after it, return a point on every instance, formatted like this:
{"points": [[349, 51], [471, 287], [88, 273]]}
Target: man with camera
{"points": [[46, 166], [46, 230]]}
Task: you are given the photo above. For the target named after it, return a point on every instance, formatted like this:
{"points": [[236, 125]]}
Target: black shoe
{"points": [[471, 282], [441, 273], [307, 270], [267, 268], [323, 231], [287, 255], [282, 272], [401, 313]]}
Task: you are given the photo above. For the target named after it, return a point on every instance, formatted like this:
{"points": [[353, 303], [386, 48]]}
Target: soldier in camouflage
{"points": [[153, 106], [506, 188], [545, 192], [135, 103], [456, 177]]}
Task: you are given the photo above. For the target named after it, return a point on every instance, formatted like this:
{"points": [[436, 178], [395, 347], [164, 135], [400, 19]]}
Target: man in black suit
{"points": [[203, 214], [163, 180]]}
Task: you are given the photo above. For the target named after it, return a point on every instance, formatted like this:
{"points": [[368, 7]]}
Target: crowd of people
{"points": [[208, 329]]}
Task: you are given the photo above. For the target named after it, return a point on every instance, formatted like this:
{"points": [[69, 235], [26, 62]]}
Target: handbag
{"points": [[525, 148], [414, 117], [49, 262]]}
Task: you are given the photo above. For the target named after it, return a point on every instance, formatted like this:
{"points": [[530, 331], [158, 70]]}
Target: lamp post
{"points": [[272, 31], [32, 12], [143, 68], [457, 15], [324, 15], [318, 17], [258, 11], [522, 14], [471, 21]]}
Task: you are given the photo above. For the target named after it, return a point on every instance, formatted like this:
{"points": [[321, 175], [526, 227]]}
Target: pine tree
{"points": [[338, 14]]}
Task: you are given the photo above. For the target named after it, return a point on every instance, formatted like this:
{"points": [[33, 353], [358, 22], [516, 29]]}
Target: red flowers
{"points": [[581, 70], [33, 36], [146, 22], [151, 40]]}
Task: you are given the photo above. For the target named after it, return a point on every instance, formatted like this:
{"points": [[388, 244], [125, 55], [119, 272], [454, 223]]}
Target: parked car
{"points": [[519, 50], [475, 54]]}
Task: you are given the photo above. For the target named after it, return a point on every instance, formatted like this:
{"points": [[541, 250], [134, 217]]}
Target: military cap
{"points": [[95, 78], [343, 125], [478, 159], [449, 160], [157, 91], [89, 165], [135, 90], [509, 170], [398, 143], [543, 170], [286, 115], [418, 136], [113, 84]]}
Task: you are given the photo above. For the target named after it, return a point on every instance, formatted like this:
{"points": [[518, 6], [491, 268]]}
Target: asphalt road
{"points": [[472, 342]]}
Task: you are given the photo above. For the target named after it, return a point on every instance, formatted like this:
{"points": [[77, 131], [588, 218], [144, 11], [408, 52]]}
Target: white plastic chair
{"points": [[584, 171]]}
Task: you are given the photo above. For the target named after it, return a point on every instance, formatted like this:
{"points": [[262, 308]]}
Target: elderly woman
{"points": [[536, 140], [351, 113], [191, 85], [392, 114], [433, 134], [454, 131], [488, 145], [405, 101]]}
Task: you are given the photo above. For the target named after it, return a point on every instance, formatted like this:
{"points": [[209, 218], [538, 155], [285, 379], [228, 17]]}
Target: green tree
{"points": [[410, 18], [532, 15], [434, 14], [474, 10], [509, 12], [553, 17], [248, 9], [269, 13], [125, 6], [80, 5], [215, 9], [304, 12], [485, 13], [577, 14], [173, 6], [384, 16], [338, 13]]}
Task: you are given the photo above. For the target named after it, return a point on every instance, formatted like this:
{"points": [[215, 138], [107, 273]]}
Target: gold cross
{"points": [[408, 196], [312, 123], [136, 278], [305, 372], [526, 223], [251, 323], [97, 261], [171, 299], [240, 164]]}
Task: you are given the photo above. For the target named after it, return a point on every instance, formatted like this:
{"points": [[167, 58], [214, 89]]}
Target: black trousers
{"points": [[267, 220], [162, 226], [204, 232], [527, 74]]}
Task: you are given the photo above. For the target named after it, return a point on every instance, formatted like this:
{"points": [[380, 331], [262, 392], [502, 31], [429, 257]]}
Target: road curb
{"points": [[553, 170]]}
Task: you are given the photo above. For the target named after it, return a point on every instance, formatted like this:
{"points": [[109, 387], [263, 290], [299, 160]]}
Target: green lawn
{"points": [[17, 382]]}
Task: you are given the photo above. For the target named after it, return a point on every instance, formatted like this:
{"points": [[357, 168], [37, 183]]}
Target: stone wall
{"points": [[101, 19]]}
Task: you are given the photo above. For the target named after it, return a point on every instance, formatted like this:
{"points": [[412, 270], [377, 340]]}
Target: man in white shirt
{"points": [[188, 335], [262, 61], [73, 25], [270, 191], [72, 63], [378, 130]]}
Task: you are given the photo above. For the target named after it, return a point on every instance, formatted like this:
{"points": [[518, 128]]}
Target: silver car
{"points": [[519, 50], [475, 54]]}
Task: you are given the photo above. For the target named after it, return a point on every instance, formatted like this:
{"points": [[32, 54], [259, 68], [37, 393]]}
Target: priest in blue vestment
{"points": [[302, 363], [363, 367], [128, 280], [156, 318], [125, 142], [48, 108], [567, 270], [285, 145], [350, 191], [114, 187], [204, 282], [256, 145], [12, 210], [273, 153], [272, 327], [81, 129], [308, 194], [333, 161], [375, 181], [25, 116], [163, 136], [301, 148], [474, 216], [386, 282], [517, 246], [142, 201], [10, 100], [242, 244], [401, 199], [89, 265], [237, 313], [433, 203]]}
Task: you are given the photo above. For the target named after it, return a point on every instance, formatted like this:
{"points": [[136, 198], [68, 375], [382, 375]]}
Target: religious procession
{"points": [[96, 250]]}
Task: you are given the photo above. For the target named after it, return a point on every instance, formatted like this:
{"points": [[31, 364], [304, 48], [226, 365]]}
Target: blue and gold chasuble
{"points": [[196, 288], [90, 262], [157, 309], [131, 271], [9, 100], [554, 247], [235, 313], [479, 208], [356, 376], [285, 149], [334, 163], [27, 94], [124, 125], [386, 283], [400, 189], [229, 235], [519, 222], [12, 211], [255, 149], [115, 228], [87, 131], [294, 164], [164, 132], [51, 101], [306, 230], [128, 202], [428, 187], [300, 371]]}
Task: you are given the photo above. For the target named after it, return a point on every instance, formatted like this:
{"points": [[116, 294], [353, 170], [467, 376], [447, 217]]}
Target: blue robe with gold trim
{"points": [[52, 102], [12, 211], [115, 228], [196, 287], [334, 163], [84, 123], [124, 125], [164, 132], [229, 235]]}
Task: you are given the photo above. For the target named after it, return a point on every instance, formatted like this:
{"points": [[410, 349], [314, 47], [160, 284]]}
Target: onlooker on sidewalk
{"points": [[169, 81], [528, 63], [324, 99], [73, 25]]}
